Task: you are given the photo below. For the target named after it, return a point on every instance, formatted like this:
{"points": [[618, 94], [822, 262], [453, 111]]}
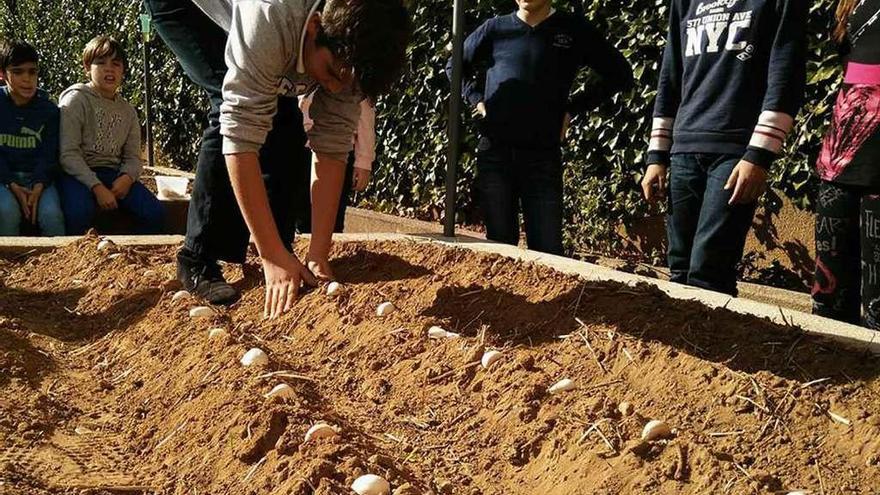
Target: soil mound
{"points": [[107, 385]]}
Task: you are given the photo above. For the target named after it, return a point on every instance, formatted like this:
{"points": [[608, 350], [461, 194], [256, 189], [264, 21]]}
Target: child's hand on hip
{"points": [[106, 199], [654, 183], [121, 186], [749, 181], [360, 179], [480, 110], [566, 122]]}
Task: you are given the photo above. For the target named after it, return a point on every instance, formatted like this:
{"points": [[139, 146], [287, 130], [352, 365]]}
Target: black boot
{"points": [[204, 279]]}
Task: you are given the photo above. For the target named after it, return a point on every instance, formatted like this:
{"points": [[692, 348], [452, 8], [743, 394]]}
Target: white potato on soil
{"points": [[656, 430], [106, 245], [201, 312], [563, 385], [439, 333], [180, 296], [150, 273], [321, 430], [625, 408], [489, 358], [255, 357], [370, 484], [385, 309], [282, 391], [217, 333], [334, 288]]}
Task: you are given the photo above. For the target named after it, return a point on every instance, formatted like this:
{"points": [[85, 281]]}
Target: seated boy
{"points": [[28, 146], [532, 57], [101, 145]]}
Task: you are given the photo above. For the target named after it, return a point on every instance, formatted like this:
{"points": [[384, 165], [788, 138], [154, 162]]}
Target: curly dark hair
{"points": [[370, 36]]}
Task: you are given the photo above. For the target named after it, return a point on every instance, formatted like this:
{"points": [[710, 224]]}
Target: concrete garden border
{"points": [[850, 335]]}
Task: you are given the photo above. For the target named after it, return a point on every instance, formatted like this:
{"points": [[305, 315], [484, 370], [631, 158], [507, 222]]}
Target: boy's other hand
{"points": [[22, 195], [654, 183], [121, 186], [748, 182], [566, 122], [360, 179], [284, 273], [106, 199], [34, 201], [480, 110]]}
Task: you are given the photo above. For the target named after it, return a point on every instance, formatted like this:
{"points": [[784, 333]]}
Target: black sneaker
{"points": [[204, 279]]}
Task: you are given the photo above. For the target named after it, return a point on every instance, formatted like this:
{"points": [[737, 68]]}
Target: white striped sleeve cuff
{"points": [[661, 134], [771, 131]]}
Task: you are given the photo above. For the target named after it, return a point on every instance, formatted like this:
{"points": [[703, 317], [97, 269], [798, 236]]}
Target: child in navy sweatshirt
{"points": [[28, 146], [531, 58], [731, 84]]}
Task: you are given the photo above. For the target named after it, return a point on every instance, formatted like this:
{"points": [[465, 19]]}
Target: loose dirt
{"points": [[108, 386]]}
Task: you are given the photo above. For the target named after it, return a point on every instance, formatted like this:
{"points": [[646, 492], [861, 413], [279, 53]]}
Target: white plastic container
{"points": [[172, 187]]}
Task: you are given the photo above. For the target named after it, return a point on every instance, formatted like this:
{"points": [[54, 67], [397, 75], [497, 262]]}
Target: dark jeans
{"points": [[215, 227], [509, 178], [847, 284], [706, 235], [79, 204]]}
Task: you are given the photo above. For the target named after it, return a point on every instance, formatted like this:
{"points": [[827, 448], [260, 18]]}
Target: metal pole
{"points": [[454, 127], [146, 31]]}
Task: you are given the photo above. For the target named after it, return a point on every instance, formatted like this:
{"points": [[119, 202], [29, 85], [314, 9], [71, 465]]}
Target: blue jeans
{"points": [[50, 218], [80, 204], [706, 235], [215, 229], [509, 178]]}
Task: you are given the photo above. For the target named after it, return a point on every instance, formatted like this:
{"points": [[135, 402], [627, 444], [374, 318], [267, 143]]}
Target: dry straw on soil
{"points": [[92, 351]]}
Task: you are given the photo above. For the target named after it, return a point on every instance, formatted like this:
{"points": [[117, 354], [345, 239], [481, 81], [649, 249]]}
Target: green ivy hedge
{"points": [[603, 155]]}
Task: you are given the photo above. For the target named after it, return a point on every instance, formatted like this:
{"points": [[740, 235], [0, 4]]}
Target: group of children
{"points": [[59, 164], [731, 83]]}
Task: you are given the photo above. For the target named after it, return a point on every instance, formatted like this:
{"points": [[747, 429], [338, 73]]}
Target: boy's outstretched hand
{"points": [[121, 186], [360, 179], [749, 181], [105, 198], [284, 273], [654, 183]]}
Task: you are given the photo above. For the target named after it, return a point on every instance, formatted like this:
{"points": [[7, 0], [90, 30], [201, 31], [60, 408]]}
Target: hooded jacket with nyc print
{"points": [[28, 138], [732, 78]]}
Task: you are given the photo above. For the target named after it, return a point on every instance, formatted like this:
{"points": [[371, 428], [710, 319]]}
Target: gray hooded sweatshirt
{"points": [[97, 132], [264, 60]]}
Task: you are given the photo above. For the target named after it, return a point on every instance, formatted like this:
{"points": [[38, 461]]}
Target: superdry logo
{"points": [[717, 5]]}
